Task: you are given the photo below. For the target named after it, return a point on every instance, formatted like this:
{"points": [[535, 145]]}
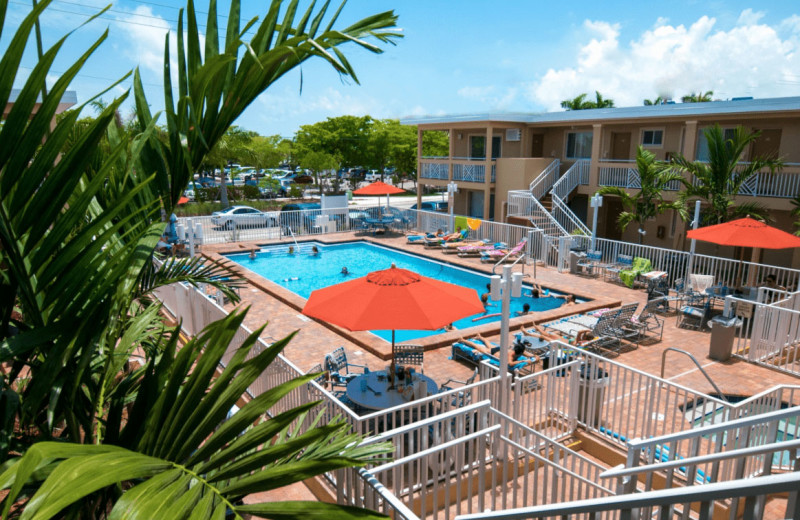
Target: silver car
{"points": [[242, 217]]}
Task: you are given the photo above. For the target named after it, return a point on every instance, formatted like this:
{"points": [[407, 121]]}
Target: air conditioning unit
{"points": [[513, 134]]}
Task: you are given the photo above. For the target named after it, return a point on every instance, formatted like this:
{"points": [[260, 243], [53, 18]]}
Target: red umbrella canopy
{"points": [[183, 200], [379, 188], [745, 232], [396, 299]]}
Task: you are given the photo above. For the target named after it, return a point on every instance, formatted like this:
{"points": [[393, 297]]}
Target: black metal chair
{"points": [[409, 355], [339, 368]]}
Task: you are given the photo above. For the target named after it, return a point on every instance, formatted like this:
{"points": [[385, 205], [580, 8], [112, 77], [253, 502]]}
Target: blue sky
{"points": [[472, 56]]}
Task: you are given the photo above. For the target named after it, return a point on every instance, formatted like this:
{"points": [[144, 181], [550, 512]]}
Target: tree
{"points": [[719, 180], [77, 236], [266, 152], [699, 97], [317, 162], [580, 102], [233, 146], [346, 137], [648, 202], [656, 101], [796, 214]]}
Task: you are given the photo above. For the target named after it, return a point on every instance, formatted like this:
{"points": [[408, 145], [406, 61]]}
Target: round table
{"points": [[387, 398]]}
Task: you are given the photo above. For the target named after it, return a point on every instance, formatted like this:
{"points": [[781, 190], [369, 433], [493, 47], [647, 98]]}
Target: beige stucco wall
{"points": [[515, 174]]}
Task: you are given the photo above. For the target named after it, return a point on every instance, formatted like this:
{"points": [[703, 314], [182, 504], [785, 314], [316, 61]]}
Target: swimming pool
{"points": [[302, 272]]}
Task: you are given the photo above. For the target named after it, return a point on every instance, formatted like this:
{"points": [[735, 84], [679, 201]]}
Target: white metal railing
{"points": [[627, 507], [434, 170], [491, 450], [545, 180], [571, 179], [729, 451], [768, 331], [782, 184], [622, 175], [469, 172]]}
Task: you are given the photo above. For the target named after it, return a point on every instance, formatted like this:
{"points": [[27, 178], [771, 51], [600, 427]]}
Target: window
{"points": [[652, 137], [701, 152], [579, 145], [477, 146]]}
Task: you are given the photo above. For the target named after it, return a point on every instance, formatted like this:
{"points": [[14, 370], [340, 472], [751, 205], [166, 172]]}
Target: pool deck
{"points": [[272, 304]]}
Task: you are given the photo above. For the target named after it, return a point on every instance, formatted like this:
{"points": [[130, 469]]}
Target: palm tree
{"points": [[580, 102], [796, 213], [654, 177], [700, 97], [720, 180], [601, 102], [656, 101], [78, 230]]}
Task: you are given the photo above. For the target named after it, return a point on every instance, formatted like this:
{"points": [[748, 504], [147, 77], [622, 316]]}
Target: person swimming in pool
{"points": [[314, 251], [252, 254], [526, 308], [345, 272]]}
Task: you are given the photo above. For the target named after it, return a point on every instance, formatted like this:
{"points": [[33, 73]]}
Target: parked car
{"points": [[243, 217], [372, 176], [296, 221], [432, 206]]}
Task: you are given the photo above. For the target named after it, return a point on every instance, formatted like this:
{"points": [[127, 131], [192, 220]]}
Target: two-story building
{"points": [[494, 154]]}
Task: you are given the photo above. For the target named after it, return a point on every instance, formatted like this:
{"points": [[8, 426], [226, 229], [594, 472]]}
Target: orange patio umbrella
{"points": [[393, 299], [379, 188], [745, 232], [183, 200]]}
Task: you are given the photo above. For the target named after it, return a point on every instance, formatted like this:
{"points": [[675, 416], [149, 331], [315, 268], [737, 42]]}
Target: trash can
{"points": [[592, 383], [574, 258], [723, 332]]}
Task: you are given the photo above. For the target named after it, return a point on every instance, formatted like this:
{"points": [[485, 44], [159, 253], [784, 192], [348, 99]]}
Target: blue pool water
{"points": [[303, 273]]}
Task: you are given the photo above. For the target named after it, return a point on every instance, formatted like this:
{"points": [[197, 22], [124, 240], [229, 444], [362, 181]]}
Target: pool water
{"points": [[303, 272]]}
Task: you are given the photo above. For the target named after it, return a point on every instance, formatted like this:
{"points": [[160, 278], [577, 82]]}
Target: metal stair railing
{"points": [[572, 178], [545, 180]]}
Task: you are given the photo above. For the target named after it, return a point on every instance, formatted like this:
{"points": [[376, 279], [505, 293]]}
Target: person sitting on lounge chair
{"points": [[581, 338], [454, 237], [516, 354]]}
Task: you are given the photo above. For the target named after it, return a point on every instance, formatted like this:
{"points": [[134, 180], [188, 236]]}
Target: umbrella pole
{"points": [[690, 265]]}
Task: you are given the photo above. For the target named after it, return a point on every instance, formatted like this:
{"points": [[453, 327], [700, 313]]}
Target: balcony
{"points": [[464, 169], [785, 184]]}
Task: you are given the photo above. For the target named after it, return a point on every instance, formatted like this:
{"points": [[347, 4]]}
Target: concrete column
{"points": [[419, 167], [487, 185], [689, 151], [594, 166]]}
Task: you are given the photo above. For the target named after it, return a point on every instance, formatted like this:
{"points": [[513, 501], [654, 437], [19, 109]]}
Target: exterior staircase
{"points": [[544, 204]]}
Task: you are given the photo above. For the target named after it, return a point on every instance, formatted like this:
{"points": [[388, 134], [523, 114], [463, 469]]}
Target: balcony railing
{"points": [[465, 169], [784, 184]]}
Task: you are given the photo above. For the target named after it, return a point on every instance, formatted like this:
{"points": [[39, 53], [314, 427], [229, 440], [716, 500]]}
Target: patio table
{"points": [[378, 383]]}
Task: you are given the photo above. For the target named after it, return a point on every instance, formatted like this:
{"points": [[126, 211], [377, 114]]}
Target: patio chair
{"points": [[339, 369], [639, 266], [690, 317], [459, 399], [322, 378], [496, 255], [612, 270], [409, 355], [472, 250], [589, 263], [648, 320]]}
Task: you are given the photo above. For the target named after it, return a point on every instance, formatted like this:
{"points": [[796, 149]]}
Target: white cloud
{"points": [[750, 17], [751, 58], [490, 96], [145, 33]]}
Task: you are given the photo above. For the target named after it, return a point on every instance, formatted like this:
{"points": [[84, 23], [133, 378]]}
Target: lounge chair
{"points": [[612, 270], [495, 255], [639, 266], [470, 250], [436, 242], [648, 320], [464, 352], [450, 248]]}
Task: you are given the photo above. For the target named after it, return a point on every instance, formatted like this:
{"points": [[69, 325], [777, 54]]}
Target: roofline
{"points": [[676, 110]]}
